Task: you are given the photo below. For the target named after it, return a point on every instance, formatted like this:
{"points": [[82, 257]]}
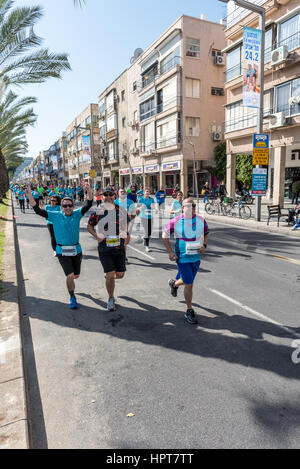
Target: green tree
{"points": [[15, 117], [219, 170], [19, 64], [244, 169]]}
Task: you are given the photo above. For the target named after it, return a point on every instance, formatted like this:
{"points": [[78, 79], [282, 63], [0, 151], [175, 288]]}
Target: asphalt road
{"points": [[230, 382]]}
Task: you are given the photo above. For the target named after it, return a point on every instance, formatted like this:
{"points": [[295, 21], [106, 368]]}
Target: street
{"points": [[229, 382]]}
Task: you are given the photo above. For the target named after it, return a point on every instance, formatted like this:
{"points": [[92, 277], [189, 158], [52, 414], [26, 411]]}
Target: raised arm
{"points": [[89, 202]]}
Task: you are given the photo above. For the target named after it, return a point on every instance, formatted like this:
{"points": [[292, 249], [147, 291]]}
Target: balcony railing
{"points": [[162, 107], [162, 70], [161, 142]]}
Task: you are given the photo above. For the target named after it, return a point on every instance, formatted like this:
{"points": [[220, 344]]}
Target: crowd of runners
{"points": [[111, 224]]}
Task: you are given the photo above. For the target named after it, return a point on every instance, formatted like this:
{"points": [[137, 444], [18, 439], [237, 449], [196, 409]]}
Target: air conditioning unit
{"points": [[278, 120], [216, 136], [219, 60], [279, 55], [130, 123]]}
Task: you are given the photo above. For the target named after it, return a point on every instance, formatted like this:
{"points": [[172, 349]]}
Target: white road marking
{"points": [[141, 252], [256, 313]]}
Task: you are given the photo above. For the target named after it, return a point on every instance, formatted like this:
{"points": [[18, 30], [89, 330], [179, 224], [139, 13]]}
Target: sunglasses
{"points": [[108, 194], [190, 205], [67, 206]]}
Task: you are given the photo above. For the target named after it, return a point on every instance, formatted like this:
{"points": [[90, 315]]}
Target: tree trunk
{"points": [[4, 183]]}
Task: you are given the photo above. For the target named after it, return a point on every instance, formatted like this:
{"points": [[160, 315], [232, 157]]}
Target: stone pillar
{"points": [[161, 179], [184, 177], [231, 175], [279, 176]]}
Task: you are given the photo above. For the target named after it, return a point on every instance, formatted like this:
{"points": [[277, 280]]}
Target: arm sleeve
{"points": [[87, 205], [40, 212]]}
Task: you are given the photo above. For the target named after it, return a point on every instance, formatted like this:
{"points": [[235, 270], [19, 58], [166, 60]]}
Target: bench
{"points": [[275, 212]]}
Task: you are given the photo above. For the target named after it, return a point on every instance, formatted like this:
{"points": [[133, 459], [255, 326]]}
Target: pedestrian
{"points": [[66, 225], [112, 223], [191, 234], [295, 192], [36, 196], [132, 194], [176, 208], [222, 191], [147, 204], [160, 199], [206, 193], [21, 196]]}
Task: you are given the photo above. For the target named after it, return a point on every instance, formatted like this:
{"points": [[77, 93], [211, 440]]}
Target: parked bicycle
{"points": [[228, 207]]}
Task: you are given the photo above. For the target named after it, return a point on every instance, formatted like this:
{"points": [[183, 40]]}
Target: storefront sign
{"points": [[261, 149], [137, 170], [171, 166], [251, 66], [123, 172], [152, 169], [259, 181], [106, 174]]}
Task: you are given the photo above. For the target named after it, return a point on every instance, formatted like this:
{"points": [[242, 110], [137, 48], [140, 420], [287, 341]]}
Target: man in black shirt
{"points": [[112, 235]]}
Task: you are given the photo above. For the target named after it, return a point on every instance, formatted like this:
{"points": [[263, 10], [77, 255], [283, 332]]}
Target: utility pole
{"points": [[260, 115]]}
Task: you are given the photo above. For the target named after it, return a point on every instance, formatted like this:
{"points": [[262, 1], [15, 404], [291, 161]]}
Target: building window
{"points": [[170, 61], [160, 105], [217, 91], [123, 121], [193, 126], [289, 33], [123, 95], [134, 86], [147, 109], [216, 52], [192, 47], [192, 88], [239, 117], [135, 116], [234, 63], [287, 97]]}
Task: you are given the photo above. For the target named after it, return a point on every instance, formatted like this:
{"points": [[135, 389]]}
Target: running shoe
{"points": [[174, 289], [190, 316], [148, 249], [111, 305], [73, 303]]}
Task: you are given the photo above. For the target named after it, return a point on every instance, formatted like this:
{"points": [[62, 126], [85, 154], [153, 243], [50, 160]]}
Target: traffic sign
{"points": [[259, 181], [260, 149], [92, 174]]}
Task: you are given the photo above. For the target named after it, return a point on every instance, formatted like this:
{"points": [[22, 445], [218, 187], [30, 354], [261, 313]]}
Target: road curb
{"points": [[14, 423]]}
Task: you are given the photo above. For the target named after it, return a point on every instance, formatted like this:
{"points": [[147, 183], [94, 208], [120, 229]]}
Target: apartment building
{"points": [[161, 118], [83, 154], [281, 94]]}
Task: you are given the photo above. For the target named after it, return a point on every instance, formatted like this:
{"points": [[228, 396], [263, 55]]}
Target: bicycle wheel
{"points": [[233, 210], [245, 212], [210, 209]]}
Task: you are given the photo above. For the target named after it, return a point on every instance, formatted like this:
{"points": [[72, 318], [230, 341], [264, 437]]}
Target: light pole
{"points": [[195, 172], [260, 115]]}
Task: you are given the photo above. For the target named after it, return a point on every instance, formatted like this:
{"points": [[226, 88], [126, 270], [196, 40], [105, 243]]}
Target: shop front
{"points": [[172, 176], [137, 176], [124, 178], [106, 178], [152, 177]]}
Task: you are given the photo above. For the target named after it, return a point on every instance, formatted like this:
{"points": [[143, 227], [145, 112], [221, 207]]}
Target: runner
{"points": [[112, 237], [148, 203], [55, 206], [129, 206], [21, 197], [36, 196], [132, 195], [66, 225], [192, 234], [176, 208], [160, 199]]}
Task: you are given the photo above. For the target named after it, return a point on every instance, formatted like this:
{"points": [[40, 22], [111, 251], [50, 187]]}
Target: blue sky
{"points": [[100, 39]]}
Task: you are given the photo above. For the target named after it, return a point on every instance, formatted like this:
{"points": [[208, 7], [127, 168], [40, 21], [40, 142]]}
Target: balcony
{"points": [[162, 144], [161, 108], [162, 70]]}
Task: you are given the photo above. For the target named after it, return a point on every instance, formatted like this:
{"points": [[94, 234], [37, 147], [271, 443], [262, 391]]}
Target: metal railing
{"points": [[161, 142], [160, 71]]}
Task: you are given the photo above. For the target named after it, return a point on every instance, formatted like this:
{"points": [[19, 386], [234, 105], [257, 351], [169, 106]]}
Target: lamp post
{"points": [[195, 185], [260, 115]]}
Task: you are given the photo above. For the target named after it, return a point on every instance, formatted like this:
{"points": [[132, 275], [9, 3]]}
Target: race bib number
{"points": [[112, 242], [192, 248], [68, 251]]}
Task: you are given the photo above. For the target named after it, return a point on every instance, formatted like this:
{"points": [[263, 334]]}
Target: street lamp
{"points": [[262, 26], [195, 172]]}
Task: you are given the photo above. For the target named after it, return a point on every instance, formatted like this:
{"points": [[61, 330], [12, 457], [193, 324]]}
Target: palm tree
{"points": [[15, 117], [78, 3]]}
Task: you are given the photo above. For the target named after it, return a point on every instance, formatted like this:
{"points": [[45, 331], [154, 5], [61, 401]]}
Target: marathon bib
{"points": [[68, 251], [112, 242], [192, 248]]}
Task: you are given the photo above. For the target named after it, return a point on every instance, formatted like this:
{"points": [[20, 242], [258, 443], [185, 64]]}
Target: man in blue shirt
{"points": [[21, 196], [160, 199], [132, 195], [66, 225], [191, 233]]}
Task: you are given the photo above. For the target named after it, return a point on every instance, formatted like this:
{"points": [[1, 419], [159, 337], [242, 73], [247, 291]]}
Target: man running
{"points": [[55, 206], [66, 225], [21, 196], [147, 203], [176, 208], [112, 237], [192, 234]]}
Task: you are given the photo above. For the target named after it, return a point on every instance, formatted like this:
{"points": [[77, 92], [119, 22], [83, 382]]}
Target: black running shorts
{"points": [[70, 265], [112, 260]]}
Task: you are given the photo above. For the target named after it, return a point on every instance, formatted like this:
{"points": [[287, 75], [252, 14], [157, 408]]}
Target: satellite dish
{"points": [[136, 54]]}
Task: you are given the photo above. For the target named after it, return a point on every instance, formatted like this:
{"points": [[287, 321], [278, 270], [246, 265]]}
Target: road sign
{"points": [[92, 173], [260, 149], [259, 181]]}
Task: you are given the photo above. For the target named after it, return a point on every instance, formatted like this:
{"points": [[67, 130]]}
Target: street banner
{"points": [[86, 147], [54, 163], [261, 149], [251, 66], [259, 181]]}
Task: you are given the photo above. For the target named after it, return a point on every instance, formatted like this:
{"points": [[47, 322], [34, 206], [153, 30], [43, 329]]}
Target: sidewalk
{"points": [[13, 409], [250, 224]]}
